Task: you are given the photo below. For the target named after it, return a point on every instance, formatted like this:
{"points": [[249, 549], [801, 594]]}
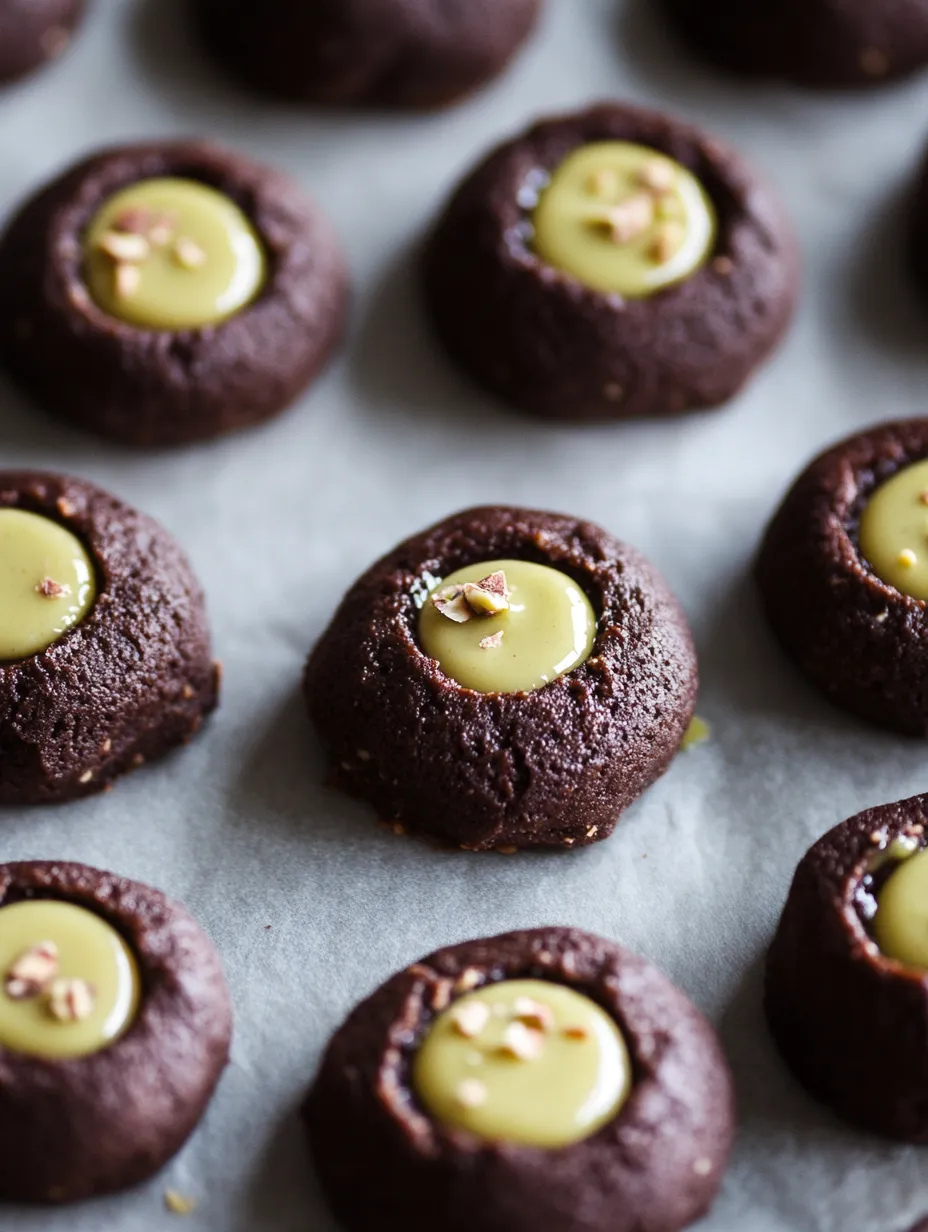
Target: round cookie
{"points": [[550, 766], [182, 290], [113, 672], [705, 285], [850, 1018], [33, 32], [75, 1124], [822, 44], [853, 633], [391, 53], [385, 1160]]}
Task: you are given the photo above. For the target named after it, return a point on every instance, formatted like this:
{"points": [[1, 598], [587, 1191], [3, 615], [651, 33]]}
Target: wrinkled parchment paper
{"points": [[310, 903]]}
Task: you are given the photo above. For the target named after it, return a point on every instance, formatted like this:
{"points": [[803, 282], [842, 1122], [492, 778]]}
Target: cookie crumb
{"points": [[471, 1093], [177, 1204], [667, 242], [71, 1000], [32, 971], [702, 1167], [698, 732], [471, 1019], [128, 246], [128, 280], [658, 175], [630, 218], [874, 62], [603, 183], [469, 978], [613, 392], [86, 776], [189, 254], [723, 265], [522, 1042], [51, 589], [533, 1014]]}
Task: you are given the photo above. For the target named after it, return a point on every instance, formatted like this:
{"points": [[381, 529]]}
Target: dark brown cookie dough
{"points": [[553, 767], [850, 1022], [157, 387], [861, 641], [72, 1129], [385, 1163], [133, 680], [823, 44], [393, 53], [35, 31], [555, 348]]}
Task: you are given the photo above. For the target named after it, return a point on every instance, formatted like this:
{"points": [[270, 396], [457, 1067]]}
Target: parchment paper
{"points": [[280, 521]]}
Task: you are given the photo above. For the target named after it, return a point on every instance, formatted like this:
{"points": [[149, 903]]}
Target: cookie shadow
{"points": [[881, 298], [399, 367], [282, 775], [742, 664], [28, 430], [283, 1194], [283, 782], [162, 41], [769, 1098], [659, 59]]}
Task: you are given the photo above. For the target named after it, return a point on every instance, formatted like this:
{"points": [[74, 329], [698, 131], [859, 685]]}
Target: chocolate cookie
{"points": [[507, 678], [611, 264], [104, 644], [842, 575], [434, 1106], [35, 31], [825, 44], [846, 991], [115, 1025], [165, 293], [393, 53]]}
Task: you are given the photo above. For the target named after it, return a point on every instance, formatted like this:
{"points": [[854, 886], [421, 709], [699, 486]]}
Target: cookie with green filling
{"points": [[115, 1026], [515, 1082], [508, 678], [105, 657], [843, 575], [611, 263], [845, 991], [183, 290]]}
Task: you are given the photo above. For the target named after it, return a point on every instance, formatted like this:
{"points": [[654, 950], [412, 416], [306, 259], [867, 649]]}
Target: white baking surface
{"points": [[280, 521]]}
